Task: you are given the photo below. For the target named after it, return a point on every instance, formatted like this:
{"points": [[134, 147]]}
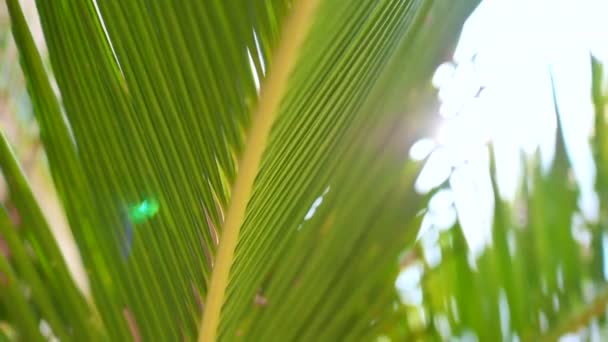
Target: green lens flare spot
{"points": [[143, 211]]}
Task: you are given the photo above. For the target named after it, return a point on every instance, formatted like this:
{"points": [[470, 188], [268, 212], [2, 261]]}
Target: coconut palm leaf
{"points": [[275, 213]]}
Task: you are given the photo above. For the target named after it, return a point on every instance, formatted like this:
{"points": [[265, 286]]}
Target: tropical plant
{"points": [[238, 170], [543, 276], [158, 101]]}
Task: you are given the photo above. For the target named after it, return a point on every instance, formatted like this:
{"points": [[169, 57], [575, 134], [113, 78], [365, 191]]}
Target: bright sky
{"points": [[498, 88]]}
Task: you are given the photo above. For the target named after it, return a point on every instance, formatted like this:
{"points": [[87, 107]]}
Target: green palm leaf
{"points": [[158, 102]]}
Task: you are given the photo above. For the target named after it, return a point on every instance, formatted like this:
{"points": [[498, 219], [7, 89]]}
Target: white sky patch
{"points": [[543, 321], [441, 214], [427, 223], [505, 316], [441, 200], [555, 299], [499, 89], [454, 309], [580, 231], [422, 149], [260, 56], [474, 204], [445, 219], [317, 202], [443, 326], [254, 72], [435, 171], [408, 284], [443, 74], [430, 248], [466, 336], [313, 208], [46, 331], [605, 254], [574, 337], [512, 243]]}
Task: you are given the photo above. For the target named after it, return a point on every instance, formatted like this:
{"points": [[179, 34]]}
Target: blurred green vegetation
{"points": [[538, 280]]}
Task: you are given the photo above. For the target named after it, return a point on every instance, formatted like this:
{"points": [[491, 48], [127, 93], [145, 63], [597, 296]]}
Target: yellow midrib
{"points": [[273, 90]]}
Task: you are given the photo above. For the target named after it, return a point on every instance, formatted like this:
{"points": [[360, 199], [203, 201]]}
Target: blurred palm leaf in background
{"points": [[542, 274], [239, 171]]}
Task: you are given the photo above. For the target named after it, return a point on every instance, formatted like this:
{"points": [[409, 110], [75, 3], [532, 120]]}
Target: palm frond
{"points": [[143, 142], [356, 179]]}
